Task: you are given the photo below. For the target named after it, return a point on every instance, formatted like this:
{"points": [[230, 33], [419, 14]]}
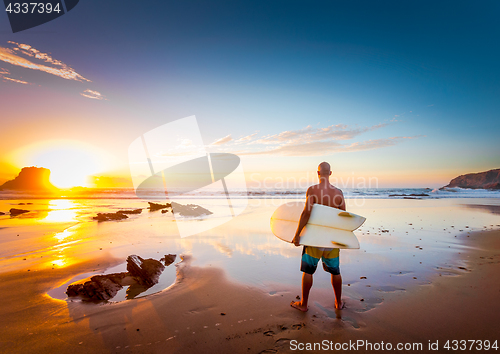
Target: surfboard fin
{"points": [[345, 213]]}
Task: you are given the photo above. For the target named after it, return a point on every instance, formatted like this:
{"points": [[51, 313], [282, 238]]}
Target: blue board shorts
{"points": [[329, 257]]}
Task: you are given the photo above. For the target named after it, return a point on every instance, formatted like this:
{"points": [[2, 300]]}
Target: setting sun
{"points": [[70, 162]]}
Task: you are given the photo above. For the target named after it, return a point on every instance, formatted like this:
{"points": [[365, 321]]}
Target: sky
{"points": [[400, 94]]}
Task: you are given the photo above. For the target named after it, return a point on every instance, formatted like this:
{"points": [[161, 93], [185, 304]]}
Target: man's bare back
{"points": [[326, 194]]}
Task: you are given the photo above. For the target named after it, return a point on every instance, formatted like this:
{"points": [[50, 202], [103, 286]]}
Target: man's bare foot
{"points": [[341, 306], [298, 305]]}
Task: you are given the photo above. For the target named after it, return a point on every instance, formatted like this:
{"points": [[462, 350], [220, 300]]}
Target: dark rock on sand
{"points": [[110, 216], [134, 211], [31, 179], [99, 287], [482, 180], [141, 275], [189, 210], [155, 206], [147, 271], [168, 259], [15, 212]]}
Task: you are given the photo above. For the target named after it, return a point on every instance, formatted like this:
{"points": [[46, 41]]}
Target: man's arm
{"points": [[304, 217]]}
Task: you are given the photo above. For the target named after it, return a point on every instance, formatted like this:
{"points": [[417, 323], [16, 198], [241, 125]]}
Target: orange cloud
{"points": [[92, 94], [223, 140], [15, 80], [4, 72], [55, 67]]}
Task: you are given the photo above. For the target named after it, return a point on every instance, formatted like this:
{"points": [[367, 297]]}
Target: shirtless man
{"points": [[326, 194]]}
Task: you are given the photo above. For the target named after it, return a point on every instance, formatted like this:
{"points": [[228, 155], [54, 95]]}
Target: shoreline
{"points": [[188, 316]]}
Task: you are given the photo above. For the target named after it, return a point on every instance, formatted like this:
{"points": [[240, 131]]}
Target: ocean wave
{"points": [[253, 193]]}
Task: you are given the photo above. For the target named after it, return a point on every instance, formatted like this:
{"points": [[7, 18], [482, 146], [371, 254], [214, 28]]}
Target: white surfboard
{"points": [[327, 226]]}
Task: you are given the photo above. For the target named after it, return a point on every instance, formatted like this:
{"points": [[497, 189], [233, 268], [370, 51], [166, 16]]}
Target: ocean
{"points": [[252, 193]]}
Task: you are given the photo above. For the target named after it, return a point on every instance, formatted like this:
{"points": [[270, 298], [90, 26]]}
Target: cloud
{"points": [[15, 80], [92, 94], [223, 140], [15, 57], [322, 148], [309, 141], [245, 138], [309, 134], [5, 72]]}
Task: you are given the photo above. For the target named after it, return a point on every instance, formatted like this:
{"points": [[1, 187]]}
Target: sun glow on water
{"points": [[61, 211]]}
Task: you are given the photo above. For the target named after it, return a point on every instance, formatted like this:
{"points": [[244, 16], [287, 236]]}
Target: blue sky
{"points": [[425, 73]]}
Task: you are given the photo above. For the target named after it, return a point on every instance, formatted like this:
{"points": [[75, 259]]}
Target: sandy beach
{"points": [[432, 276]]}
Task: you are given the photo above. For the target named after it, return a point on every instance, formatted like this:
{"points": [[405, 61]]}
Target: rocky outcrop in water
{"points": [[15, 212], [189, 210], [30, 179], [134, 211], [98, 288], [141, 275], [110, 216], [147, 271], [156, 206], [482, 180], [119, 215]]}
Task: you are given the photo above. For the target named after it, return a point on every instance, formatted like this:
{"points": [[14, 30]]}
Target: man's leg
{"points": [[337, 289], [331, 264], [307, 282], [308, 264]]}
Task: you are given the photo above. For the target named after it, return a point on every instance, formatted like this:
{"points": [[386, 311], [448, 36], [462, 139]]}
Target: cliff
{"points": [[30, 179], [482, 180]]}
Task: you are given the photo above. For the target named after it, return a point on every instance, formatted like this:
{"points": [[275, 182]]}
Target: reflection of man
{"points": [[326, 194]]}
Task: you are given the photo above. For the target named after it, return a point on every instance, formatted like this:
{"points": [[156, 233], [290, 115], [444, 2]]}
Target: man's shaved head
{"points": [[324, 169]]}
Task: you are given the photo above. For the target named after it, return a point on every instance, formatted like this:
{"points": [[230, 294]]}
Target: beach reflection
{"points": [[403, 242], [61, 210]]}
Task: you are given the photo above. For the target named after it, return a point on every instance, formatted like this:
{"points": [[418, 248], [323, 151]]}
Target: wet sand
{"points": [[208, 311]]}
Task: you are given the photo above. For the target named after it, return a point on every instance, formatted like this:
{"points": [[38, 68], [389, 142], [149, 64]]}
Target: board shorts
{"points": [[311, 256]]}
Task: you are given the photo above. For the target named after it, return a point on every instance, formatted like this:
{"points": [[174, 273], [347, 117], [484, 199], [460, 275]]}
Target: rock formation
{"points": [[147, 271], [155, 206], [141, 275], [189, 210], [110, 216], [482, 180], [30, 179], [134, 211], [15, 212], [98, 288]]}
